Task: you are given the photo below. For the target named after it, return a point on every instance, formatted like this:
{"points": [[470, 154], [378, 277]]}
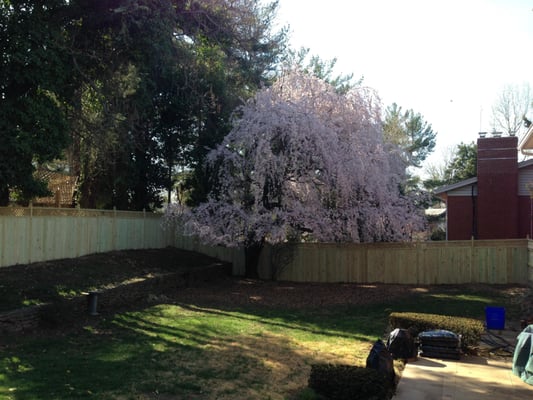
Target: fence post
{"points": [[2, 240], [114, 229], [30, 232], [530, 261], [419, 260], [471, 261], [79, 234], [144, 229]]}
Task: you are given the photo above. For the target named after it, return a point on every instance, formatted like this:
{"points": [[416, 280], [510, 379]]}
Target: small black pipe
{"points": [[93, 303]]}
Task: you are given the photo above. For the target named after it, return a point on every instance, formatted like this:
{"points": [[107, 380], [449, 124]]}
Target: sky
{"points": [[448, 60]]}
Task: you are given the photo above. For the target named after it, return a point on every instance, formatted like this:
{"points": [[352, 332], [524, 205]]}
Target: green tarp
{"points": [[523, 356]]}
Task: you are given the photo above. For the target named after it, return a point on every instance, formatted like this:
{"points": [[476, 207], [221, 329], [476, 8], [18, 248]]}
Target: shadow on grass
{"points": [[198, 349], [184, 354], [461, 301], [25, 285]]}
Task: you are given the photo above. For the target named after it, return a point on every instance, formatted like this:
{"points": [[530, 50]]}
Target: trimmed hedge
{"points": [[348, 382], [470, 329]]}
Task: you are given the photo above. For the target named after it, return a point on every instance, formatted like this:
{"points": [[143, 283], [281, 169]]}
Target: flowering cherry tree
{"points": [[304, 162]]}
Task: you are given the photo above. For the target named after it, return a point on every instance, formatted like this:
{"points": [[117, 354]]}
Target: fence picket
{"points": [[41, 234], [33, 234], [455, 262]]}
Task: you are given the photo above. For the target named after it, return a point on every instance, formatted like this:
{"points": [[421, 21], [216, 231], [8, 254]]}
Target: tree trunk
{"points": [[4, 196], [252, 253]]}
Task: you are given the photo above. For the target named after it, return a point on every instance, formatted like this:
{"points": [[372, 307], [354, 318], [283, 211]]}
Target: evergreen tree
{"points": [[143, 87], [34, 69], [165, 93], [411, 133], [463, 165]]}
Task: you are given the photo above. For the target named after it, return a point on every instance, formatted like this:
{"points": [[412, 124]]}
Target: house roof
{"points": [[526, 143], [453, 186], [435, 212], [62, 187], [443, 190], [525, 163]]}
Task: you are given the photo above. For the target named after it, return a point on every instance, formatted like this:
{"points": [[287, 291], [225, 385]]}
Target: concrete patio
{"points": [[471, 378]]}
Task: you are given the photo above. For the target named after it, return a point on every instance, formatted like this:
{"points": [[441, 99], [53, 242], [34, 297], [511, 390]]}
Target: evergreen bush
{"points": [[470, 329], [348, 382]]}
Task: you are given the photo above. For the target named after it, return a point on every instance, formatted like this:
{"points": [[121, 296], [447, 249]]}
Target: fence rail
{"points": [[235, 256], [451, 262], [32, 234]]}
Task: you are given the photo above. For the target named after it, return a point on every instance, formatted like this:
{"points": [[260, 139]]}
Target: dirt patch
{"points": [[57, 281], [43, 282], [239, 292]]}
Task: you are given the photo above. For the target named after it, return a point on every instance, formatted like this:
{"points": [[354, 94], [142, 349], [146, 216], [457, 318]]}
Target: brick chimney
{"points": [[497, 180]]}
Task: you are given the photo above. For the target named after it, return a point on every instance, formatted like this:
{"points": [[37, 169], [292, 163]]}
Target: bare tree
{"points": [[511, 108], [436, 171]]}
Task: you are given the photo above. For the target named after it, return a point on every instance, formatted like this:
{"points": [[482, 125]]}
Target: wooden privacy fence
{"points": [[453, 262], [530, 261], [235, 256], [32, 234]]}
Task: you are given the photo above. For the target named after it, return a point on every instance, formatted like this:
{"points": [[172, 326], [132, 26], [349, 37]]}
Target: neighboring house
{"points": [[62, 187], [497, 203], [436, 218]]}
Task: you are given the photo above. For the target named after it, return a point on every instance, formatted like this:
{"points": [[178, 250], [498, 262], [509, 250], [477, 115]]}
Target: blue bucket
{"points": [[495, 318]]}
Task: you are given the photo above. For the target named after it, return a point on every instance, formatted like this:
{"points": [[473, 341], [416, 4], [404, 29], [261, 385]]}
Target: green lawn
{"points": [[190, 350]]}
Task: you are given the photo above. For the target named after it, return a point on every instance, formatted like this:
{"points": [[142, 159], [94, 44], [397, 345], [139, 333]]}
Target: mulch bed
{"points": [[109, 270]]}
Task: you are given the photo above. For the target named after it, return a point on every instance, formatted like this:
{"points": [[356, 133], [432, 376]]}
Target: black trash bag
{"points": [[381, 360], [401, 344]]}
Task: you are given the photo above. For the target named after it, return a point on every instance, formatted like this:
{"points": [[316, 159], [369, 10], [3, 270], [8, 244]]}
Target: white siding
{"points": [[463, 191], [525, 177]]}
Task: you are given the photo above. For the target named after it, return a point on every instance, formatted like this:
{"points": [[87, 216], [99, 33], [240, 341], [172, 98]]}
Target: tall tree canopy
{"points": [[322, 69], [33, 81], [461, 164], [166, 97], [141, 85], [410, 132], [304, 162]]}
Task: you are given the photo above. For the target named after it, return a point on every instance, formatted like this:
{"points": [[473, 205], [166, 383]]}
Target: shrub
{"points": [[470, 329], [348, 382], [438, 234]]}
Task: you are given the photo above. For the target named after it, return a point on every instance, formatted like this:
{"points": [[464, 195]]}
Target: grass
{"points": [[196, 351], [187, 352]]}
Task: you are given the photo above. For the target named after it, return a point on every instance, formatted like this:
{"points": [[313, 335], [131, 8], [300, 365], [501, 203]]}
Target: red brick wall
{"points": [[497, 174], [460, 210]]}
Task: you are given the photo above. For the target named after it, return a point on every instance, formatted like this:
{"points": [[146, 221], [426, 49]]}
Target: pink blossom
{"points": [[305, 163]]}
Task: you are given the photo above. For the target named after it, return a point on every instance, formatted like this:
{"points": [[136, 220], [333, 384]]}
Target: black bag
{"points": [[381, 360], [401, 344]]}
